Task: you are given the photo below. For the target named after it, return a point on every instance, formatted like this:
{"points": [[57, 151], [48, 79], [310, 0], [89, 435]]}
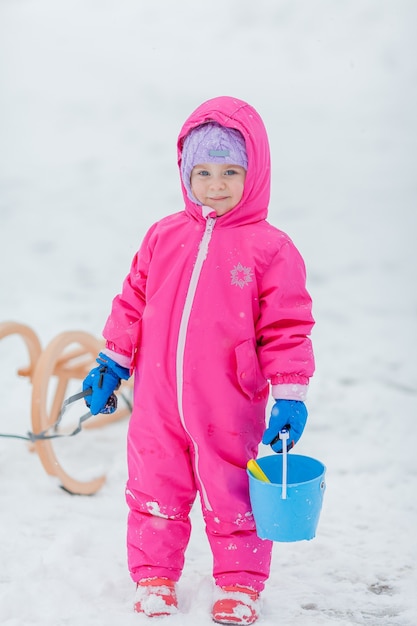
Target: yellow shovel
{"points": [[256, 471]]}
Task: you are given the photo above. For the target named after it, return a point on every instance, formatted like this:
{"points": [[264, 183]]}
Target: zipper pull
{"points": [[204, 243], [210, 225]]}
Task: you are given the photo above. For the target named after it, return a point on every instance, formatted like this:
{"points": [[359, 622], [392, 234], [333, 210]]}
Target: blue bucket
{"points": [[287, 510]]}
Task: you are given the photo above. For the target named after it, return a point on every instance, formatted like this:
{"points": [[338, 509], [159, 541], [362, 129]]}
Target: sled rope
{"points": [[43, 435]]}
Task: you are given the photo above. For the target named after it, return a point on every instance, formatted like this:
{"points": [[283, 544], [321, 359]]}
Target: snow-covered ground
{"points": [[92, 96]]}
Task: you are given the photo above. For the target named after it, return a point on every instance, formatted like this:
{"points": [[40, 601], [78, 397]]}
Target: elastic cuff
{"points": [[290, 392], [120, 359]]}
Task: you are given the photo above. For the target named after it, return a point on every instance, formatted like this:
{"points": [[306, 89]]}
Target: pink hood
{"points": [[237, 114]]}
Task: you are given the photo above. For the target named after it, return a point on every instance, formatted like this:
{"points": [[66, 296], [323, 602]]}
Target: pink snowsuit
{"points": [[213, 309]]}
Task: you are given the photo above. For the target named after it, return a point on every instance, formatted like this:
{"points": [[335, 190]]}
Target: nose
{"points": [[217, 182]]}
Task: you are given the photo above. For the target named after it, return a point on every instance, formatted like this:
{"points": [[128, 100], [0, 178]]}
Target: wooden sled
{"points": [[68, 357]]}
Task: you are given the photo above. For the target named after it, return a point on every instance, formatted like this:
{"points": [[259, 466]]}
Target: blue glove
{"points": [[290, 414], [103, 381]]}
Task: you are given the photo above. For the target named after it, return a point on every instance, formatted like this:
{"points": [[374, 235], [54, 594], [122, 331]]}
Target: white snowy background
{"points": [[92, 96]]}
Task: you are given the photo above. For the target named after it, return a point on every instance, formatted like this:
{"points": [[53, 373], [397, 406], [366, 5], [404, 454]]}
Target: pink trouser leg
{"points": [[239, 556], [156, 545], [160, 493]]}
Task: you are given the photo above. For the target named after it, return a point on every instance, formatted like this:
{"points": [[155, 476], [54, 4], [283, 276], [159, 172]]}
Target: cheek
{"points": [[194, 182], [197, 189], [239, 191]]}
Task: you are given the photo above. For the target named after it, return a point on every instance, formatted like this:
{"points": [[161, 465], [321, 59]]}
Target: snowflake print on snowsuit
{"points": [[213, 312]]}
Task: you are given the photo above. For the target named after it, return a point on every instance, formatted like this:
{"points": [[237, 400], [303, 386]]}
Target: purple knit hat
{"points": [[211, 143]]}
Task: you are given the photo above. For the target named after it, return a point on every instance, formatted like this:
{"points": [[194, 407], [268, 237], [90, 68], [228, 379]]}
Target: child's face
{"points": [[218, 186]]}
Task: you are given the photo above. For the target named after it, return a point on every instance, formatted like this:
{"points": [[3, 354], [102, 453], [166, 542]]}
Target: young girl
{"points": [[213, 311]]}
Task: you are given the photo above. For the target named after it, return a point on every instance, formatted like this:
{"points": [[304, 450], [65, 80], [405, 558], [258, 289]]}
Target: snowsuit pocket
{"points": [[249, 374]]}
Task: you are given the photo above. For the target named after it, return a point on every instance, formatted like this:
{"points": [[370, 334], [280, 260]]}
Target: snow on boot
{"points": [[156, 597], [236, 605]]}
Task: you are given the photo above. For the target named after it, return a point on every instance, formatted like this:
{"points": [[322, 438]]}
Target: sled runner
{"points": [[67, 358]]}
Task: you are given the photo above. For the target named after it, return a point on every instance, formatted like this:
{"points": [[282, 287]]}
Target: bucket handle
{"points": [[284, 435]]}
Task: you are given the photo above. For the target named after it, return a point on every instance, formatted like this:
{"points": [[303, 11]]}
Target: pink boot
{"points": [[156, 597], [236, 605]]}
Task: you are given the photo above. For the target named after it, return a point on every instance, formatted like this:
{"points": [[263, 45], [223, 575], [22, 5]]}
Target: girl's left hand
{"points": [[290, 414]]}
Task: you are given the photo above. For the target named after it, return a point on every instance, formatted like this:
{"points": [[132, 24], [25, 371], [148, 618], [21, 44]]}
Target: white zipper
{"points": [[182, 335]]}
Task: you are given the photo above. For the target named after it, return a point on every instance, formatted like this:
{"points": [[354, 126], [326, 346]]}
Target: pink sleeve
{"points": [[284, 347], [123, 326]]}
